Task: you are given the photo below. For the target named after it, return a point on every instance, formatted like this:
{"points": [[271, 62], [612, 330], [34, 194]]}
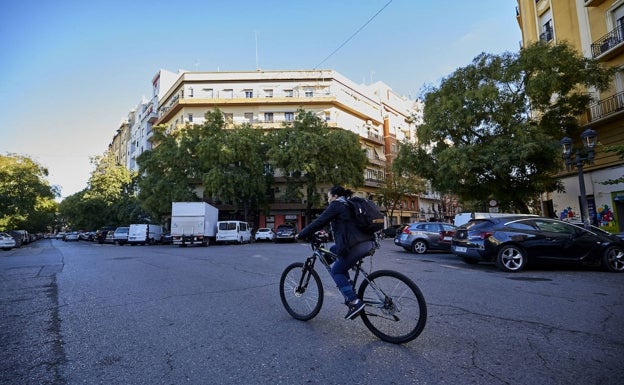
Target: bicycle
{"points": [[395, 309]]}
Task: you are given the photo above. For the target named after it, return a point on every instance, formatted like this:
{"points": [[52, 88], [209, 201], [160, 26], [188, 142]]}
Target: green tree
{"points": [[26, 197], [228, 163], [309, 153], [168, 172], [399, 185], [491, 129], [235, 167], [109, 199]]}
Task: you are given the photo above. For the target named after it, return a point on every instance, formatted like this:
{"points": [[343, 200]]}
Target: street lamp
{"points": [[588, 137]]}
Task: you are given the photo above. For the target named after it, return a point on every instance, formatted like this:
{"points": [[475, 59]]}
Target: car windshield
{"points": [[476, 224]]}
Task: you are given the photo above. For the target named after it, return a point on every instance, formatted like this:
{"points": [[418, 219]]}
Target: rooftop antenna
{"points": [[257, 66]]}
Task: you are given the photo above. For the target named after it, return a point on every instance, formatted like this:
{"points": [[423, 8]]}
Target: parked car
{"points": [[515, 241], [16, 236], [286, 232], [166, 239], [100, 235], [7, 242], [392, 231], [420, 237], [87, 236], [73, 236], [120, 236], [109, 237], [264, 234]]}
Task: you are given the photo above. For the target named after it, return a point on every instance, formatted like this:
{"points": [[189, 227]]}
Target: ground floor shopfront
{"points": [[605, 202]]}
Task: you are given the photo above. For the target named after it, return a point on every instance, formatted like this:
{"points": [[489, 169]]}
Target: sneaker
{"points": [[355, 307]]}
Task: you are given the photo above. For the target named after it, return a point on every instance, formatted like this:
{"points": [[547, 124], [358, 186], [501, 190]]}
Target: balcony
{"points": [[607, 108], [609, 45], [371, 182], [152, 117], [374, 137]]}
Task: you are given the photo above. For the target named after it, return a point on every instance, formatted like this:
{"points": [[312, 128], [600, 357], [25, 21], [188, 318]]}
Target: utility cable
{"points": [[352, 36]]}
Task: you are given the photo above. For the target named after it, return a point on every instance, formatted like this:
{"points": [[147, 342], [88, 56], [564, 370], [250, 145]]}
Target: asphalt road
{"points": [[83, 313]]}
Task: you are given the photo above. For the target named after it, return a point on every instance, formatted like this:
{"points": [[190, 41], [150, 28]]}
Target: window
{"points": [[268, 93], [547, 31], [289, 116], [209, 93], [190, 118], [249, 116], [289, 93], [268, 117], [521, 225], [228, 93], [547, 26], [308, 93], [249, 94], [190, 92]]}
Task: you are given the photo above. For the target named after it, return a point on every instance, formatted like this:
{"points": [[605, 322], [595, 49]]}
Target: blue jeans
{"points": [[340, 268]]}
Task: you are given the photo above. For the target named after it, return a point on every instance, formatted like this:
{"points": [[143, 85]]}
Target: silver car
{"points": [[7, 242], [420, 237]]}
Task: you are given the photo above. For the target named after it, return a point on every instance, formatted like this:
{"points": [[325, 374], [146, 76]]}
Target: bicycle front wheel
{"points": [[395, 309], [301, 291]]}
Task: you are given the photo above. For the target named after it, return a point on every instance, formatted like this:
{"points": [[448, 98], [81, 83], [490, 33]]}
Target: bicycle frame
{"points": [[320, 252]]}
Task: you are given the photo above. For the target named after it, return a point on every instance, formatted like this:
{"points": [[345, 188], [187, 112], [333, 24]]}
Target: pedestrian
{"points": [[351, 244]]}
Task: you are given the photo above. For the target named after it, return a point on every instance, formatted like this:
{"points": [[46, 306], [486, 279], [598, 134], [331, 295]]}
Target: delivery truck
{"points": [[193, 223]]}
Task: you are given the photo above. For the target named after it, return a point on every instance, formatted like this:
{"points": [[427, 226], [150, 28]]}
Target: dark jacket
{"points": [[341, 218]]}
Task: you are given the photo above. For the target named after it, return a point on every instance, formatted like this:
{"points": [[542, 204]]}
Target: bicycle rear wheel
{"points": [[395, 309], [301, 291]]}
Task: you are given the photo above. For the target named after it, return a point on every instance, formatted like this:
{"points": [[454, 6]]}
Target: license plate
{"points": [[448, 238], [460, 249]]}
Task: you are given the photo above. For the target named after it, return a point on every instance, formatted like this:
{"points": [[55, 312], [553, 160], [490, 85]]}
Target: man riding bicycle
{"points": [[351, 244]]}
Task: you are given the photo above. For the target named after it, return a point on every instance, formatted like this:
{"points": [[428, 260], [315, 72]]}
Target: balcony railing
{"points": [[608, 42], [607, 107], [375, 137]]}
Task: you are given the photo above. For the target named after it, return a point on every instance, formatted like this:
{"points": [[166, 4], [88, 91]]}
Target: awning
{"points": [[380, 154]]}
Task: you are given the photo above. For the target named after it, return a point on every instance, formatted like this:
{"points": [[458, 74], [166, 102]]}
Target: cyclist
{"points": [[351, 244]]}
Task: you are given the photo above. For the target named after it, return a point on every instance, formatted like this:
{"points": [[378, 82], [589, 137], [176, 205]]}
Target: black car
{"points": [[515, 241], [392, 231]]}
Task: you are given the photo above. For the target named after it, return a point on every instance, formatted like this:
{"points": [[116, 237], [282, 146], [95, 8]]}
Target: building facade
{"points": [[268, 99], [595, 28]]}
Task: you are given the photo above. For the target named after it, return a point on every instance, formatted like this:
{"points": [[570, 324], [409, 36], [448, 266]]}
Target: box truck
{"points": [[142, 234], [193, 223]]}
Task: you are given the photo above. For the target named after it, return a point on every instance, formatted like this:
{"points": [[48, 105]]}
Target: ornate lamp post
{"points": [[589, 138]]}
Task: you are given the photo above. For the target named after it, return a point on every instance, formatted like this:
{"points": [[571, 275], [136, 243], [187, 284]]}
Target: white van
{"points": [[233, 231], [141, 234]]}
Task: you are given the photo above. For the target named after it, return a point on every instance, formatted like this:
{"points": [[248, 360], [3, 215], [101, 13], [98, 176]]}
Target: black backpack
{"points": [[368, 217]]}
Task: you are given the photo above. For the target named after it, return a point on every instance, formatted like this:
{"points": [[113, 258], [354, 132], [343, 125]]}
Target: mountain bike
{"points": [[395, 308]]}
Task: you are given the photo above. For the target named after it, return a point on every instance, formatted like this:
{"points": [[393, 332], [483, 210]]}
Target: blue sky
{"points": [[71, 70]]}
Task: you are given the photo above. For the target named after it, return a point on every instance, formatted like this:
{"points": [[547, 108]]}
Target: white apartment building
{"points": [[267, 99], [141, 119]]}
